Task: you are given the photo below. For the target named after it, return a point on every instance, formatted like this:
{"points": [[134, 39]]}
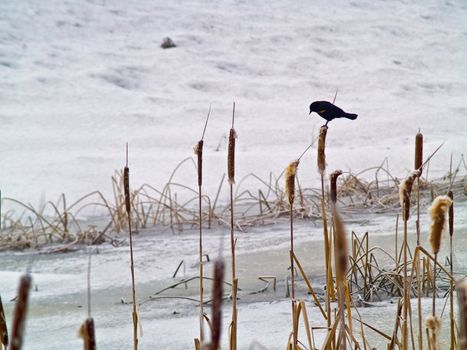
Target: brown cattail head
{"points": [[290, 173], [433, 324], [3, 327], [419, 152], [405, 189], [321, 149], [217, 296], [461, 288], [199, 152], [451, 214], [231, 156], [341, 254], [86, 331], [21, 308], [438, 211], [334, 177], [126, 187]]}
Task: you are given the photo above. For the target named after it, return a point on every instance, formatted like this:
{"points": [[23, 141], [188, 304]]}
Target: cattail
{"points": [[217, 295], [21, 308], [419, 152], [321, 148], [451, 214], [341, 251], [290, 173], [334, 177], [231, 156], [199, 152], [126, 187], [433, 324], [86, 331], [461, 289], [405, 189], [438, 211], [3, 327]]}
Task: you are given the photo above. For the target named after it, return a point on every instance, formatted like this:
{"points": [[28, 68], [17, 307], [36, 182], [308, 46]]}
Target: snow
{"points": [[79, 79]]}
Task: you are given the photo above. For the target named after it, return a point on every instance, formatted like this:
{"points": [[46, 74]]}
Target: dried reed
{"points": [[126, 185], [19, 316], [451, 266], [3, 326]]}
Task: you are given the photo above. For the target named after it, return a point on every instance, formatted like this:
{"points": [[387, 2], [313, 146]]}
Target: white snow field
{"points": [[79, 79]]}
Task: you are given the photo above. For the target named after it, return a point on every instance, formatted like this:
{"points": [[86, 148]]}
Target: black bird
{"points": [[329, 111]]}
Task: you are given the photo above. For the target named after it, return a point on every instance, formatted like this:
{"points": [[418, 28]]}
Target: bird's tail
{"points": [[350, 116]]}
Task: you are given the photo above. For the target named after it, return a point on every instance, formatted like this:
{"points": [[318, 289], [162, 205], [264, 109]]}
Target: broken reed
{"points": [[19, 316], [3, 326], [126, 185], [199, 154], [231, 179], [217, 297]]}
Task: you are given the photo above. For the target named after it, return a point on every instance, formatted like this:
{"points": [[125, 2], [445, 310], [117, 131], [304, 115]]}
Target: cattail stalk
{"points": [[231, 178], [451, 291], [126, 186], [438, 211], [3, 326], [341, 262], [199, 153], [217, 296], [405, 190], [461, 289], [290, 175], [21, 308], [321, 162], [418, 166]]}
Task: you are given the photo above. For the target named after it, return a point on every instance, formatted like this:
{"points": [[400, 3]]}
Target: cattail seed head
{"points": [[419, 152], [231, 156], [433, 324], [217, 295], [341, 254], [86, 331], [334, 177], [126, 187], [321, 149], [3, 327], [451, 214], [437, 212], [290, 173], [199, 152], [21, 308], [405, 189]]}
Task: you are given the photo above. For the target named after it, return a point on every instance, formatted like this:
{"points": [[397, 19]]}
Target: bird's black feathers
{"points": [[329, 111]]}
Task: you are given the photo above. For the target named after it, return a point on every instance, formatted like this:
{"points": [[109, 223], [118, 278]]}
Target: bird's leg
{"points": [[326, 125]]}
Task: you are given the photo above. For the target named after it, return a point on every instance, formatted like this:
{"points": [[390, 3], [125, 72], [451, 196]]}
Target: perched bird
{"points": [[329, 111]]}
